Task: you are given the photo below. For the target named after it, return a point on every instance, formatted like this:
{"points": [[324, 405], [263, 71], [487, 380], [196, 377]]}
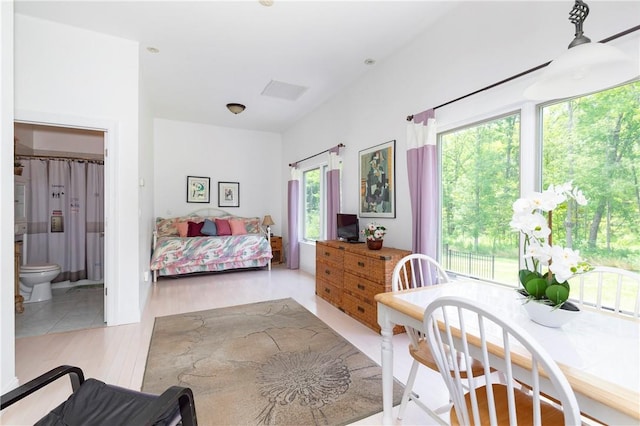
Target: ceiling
{"points": [[216, 52]]}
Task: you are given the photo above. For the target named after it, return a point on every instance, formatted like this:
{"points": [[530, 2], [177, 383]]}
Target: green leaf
{"points": [[526, 275], [536, 287], [557, 293]]}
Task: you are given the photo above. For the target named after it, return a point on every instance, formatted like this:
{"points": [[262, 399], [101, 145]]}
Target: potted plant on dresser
{"points": [[374, 234]]}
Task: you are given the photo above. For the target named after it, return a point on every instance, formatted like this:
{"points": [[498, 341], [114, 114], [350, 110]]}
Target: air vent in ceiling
{"points": [[278, 89]]}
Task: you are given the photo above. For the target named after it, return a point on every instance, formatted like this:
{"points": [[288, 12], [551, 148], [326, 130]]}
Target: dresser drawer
{"points": [[330, 273], [362, 288], [329, 292], [362, 311], [329, 255], [368, 267]]}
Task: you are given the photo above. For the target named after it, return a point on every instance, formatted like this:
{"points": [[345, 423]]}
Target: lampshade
{"points": [[267, 221], [236, 108], [582, 69], [585, 68]]}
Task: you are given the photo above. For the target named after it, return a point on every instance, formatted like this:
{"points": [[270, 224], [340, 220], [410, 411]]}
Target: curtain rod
{"points": [[530, 70], [54, 157], [340, 145]]}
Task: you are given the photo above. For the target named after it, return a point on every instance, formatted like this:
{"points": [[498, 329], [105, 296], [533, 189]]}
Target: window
{"points": [[594, 141], [480, 180], [314, 206]]}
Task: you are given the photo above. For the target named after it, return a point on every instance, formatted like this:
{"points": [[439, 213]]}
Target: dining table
{"points": [[598, 351]]}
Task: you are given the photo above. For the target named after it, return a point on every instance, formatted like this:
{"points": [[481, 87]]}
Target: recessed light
{"points": [[266, 3], [153, 50], [369, 61]]}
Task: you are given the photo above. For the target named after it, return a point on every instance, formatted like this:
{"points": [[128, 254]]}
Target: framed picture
{"points": [[228, 194], [378, 181], [197, 189]]}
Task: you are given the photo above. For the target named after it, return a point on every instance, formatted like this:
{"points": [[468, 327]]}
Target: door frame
{"points": [[110, 161]]}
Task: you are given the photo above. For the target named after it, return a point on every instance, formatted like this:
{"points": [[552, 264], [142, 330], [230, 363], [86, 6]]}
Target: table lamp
{"points": [[267, 221]]}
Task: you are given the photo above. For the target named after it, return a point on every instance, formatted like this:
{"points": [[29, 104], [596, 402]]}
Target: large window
{"points": [[594, 141], [480, 180], [314, 209]]}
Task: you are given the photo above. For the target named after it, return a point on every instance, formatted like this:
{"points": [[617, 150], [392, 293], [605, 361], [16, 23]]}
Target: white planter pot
{"points": [[548, 316]]}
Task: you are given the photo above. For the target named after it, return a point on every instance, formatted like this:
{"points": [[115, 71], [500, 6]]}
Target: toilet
{"points": [[35, 281]]}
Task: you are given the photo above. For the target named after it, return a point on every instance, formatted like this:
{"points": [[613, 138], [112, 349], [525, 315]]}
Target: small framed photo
{"points": [[228, 194], [197, 189]]}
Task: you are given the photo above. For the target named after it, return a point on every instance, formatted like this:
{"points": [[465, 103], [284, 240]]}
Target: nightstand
{"points": [[276, 249]]}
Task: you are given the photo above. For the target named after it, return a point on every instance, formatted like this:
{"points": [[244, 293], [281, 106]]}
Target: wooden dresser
{"points": [[349, 275]]}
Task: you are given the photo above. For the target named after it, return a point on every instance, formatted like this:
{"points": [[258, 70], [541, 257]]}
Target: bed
{"points": [[208, 240]]}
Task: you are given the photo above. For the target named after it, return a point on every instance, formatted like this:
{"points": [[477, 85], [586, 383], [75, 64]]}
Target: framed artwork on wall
{"points": [[197, 189], [228, 194], [378, 181]]}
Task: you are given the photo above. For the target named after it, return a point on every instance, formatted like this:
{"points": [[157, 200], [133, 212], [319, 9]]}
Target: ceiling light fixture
{"points": [[369, 61], [236, 108], [585, 68], [266, 3], [152, 49]]}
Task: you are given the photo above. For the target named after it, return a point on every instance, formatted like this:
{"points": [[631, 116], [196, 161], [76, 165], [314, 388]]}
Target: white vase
{"points": [[548, 316]]}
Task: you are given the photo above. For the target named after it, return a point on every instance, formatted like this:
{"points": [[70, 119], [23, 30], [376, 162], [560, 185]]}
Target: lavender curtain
{"points": [[65, 205], [333, 193], [422, 166], [293, 257]]}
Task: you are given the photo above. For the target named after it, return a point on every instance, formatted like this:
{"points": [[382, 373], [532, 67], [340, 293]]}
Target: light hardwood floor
{"points": [[117, 355]]}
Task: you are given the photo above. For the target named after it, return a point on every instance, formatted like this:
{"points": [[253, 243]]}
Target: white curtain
{"points": [[65, 211]]}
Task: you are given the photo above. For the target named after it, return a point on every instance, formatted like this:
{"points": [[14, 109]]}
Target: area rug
{"points": [[267, 363]]}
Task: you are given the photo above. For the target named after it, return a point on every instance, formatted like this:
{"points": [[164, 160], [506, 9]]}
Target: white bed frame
{"points": [[206, 212]]}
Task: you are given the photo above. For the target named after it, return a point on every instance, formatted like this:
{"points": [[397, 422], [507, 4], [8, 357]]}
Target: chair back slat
{"points": [[609, 289], [457, 325]]}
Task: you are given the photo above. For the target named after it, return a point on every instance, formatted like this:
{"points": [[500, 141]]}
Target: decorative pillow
{"points": [[224, 228], [183, 229], [166, 227], [195, 229], [237, 227], [209, 228], [253, 225]]}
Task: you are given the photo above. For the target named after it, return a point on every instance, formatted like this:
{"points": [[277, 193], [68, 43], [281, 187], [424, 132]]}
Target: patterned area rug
{"points": [[268, 363]]}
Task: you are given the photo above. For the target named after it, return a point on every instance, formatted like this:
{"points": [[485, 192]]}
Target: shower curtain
{"points": [[65, 214]]}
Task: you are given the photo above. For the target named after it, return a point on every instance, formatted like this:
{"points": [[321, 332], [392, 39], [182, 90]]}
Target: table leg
{"points": [[387, 367]]}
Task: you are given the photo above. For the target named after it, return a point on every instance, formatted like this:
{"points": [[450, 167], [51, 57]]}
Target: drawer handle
{"points": [[327, 272], [361, 264], [361, 286], [327, 290], [360, 309], [326, 253]]}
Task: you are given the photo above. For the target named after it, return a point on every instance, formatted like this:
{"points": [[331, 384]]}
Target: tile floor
{"points": [[72, 308]]}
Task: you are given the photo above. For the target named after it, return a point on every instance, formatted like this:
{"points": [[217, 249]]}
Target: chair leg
{"points": [[408, 388]]}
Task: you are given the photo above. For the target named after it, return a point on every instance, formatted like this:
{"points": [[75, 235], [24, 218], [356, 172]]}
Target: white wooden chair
{"points": [[608, 289], [453, 322], [413, 271]]}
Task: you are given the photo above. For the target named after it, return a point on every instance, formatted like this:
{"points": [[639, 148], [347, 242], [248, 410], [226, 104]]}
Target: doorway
{"points": [[79, 299]]}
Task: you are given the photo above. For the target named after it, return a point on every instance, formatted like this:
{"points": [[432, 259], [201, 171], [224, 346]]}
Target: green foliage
{"points": [[593, 141]]}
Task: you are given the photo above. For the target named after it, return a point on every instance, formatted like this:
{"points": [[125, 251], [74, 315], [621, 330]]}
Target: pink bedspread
{"points": [[176, 255]]}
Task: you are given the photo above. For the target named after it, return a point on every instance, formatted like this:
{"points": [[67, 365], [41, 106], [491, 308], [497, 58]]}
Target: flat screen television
{"points": [[348, 229]]}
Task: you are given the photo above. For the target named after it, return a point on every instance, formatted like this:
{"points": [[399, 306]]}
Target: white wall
{"points": [[8, 379], [224, 155], [478, 44], [67, 74]]}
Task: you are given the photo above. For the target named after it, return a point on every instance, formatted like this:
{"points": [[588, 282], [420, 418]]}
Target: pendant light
{"points": [[585, 68]]}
